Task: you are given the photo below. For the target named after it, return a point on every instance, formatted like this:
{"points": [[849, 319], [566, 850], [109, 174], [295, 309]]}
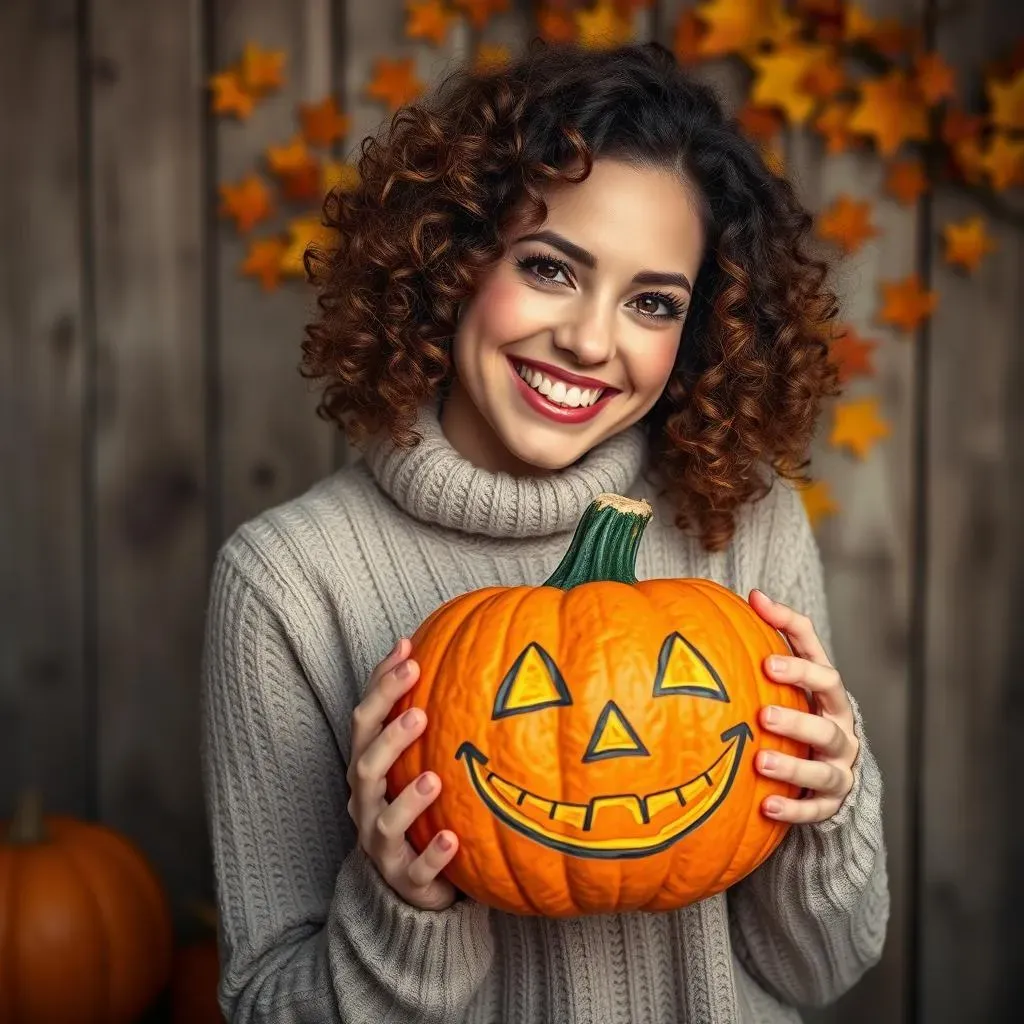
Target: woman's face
{"points": [[573, 334]]}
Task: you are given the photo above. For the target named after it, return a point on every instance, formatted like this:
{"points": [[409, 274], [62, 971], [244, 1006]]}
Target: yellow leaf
{"points": [[742, 26], [303, 232], [1007, 99], [905, 303], [492, 57], [343, 177], [603, 26], [818, 501], [290, 158], [891, 111], [967, 242], [1004, 162], [779, 81], [858, 426], [262, 70]]}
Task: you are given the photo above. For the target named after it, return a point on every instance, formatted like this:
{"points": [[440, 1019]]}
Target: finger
{"points": [[397, 653], [425, 869], [823, 734], [371, 712], [395, 819], [822, 680], [369, 785], [824, 778], [798, 628], [801, 812]]}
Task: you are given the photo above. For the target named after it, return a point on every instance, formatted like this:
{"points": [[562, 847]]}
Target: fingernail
{"points": [[768, 760], [404, 670], [425, 783], [777, 664], [444, 842], [771, 713], [412, 718], [772, 806]]}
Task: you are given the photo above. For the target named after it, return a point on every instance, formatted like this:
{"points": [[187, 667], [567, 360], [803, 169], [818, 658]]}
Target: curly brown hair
{"points": [[444, 177]]}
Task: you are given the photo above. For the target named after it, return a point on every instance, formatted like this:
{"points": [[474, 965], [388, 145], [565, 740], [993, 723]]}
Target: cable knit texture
{"points": [[306, 598]]}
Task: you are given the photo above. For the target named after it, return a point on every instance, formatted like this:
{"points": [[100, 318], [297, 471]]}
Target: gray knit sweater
{"points": [[307, 597]]}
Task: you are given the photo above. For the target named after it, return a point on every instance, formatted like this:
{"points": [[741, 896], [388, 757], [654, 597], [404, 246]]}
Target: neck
{"points": [[473, 437]]}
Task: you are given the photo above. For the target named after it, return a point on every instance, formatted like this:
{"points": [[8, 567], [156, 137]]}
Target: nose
{"points": [[589, 336]]}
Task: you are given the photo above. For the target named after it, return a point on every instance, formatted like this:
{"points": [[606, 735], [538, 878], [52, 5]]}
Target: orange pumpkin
{"points": [[595, 736], [85, 926]]}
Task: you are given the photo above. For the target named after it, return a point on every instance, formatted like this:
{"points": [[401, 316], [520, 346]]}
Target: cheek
{"points": [[504, 310], [651, 368]]}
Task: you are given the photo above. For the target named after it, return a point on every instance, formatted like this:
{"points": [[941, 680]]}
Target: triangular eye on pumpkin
{"points": [[683, 670], [531, 683]]}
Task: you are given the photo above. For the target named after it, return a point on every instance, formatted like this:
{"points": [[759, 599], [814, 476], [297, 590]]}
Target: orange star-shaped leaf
{"points": [[479, 12], [394, 82], [833, 123], [289, 158], [851, 354], [602, 26], [1007, 99], [322, 123], [906, 181], [780, 75], [825, 78], [343, 177], [968, 160], [229, 96], [555, 26], [967, 242], [1004, 162], [858, 426], [248, 202], [888, 36], [427, 19], [762, 123], [492, 57], [891, 111], [687, 38], [264, 262], [261, 70], [742, 26], [304, 232], [958, 125], [935, 78], [846, 222], [818, 501], [906, 304], [303, 183]]}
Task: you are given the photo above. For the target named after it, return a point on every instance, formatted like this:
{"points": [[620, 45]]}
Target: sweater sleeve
{"points": [[309, 930], [811, 920]]}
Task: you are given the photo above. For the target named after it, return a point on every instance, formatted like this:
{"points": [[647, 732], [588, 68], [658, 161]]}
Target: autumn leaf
{"points": [[825, 78], [851, 354], [906, 181], [905, 303], [833, 123], [289, 158], [261, 70], [846, 222], [229, 96], [602, 26], [394, 82], [492, 57], [763, 123], [889, 36], [303, 232], [1007, 100], [479, 12], [555, 26], [687, 37], [778, 80], [264, 262], [322, 123], [958, 125], [890, 111], [858, 426], [967, 243], [934, 77], [248, 202], [818, 501], [427, 19], [334, 175], [304, 183], [742, 26], [1003, 160]]}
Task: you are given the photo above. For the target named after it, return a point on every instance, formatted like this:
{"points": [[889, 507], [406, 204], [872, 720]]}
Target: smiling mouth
{"points": [[561, 393], [661, 818]]}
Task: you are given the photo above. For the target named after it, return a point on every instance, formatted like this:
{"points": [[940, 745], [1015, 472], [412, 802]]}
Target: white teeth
{"points": [[572, 397]]}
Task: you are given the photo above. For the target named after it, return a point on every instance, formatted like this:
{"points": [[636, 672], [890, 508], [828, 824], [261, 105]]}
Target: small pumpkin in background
{"points": [[595, 735], [195, 974], [86, 933]]}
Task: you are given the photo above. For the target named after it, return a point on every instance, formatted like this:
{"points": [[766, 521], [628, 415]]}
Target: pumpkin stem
{"points": [[27, 828], [605, 543]]}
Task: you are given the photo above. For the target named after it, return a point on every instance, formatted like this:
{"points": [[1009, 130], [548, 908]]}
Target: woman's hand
{"points": [[382, 825], [828, 774]]}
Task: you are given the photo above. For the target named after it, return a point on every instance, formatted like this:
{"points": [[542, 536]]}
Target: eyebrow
{"points": [[588, 259]]}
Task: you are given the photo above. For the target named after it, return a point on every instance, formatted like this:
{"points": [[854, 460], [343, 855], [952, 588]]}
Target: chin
{"points": [[545, 455]]}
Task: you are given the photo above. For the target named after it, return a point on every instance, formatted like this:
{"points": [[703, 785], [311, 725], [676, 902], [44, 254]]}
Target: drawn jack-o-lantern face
{"points": [[660, 817], [594, 736]]}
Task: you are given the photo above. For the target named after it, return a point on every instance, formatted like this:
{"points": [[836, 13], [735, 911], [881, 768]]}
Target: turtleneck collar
{"points": [[436, 484]]}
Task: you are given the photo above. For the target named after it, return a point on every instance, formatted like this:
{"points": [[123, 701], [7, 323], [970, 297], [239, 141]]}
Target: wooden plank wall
{"points": [[150, 403]]}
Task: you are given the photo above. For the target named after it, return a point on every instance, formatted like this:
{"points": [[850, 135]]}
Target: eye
{"points": [[683, 670], [540, 267], [675, 309], [532, 682]]}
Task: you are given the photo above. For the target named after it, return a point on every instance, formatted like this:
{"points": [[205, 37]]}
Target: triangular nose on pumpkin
{"points": [[613, 736]]}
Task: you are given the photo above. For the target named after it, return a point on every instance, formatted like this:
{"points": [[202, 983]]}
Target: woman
{"points": [[569, 277]]}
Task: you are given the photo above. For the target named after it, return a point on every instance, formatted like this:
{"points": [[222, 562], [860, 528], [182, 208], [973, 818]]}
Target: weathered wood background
{"points": [[151, 403]]}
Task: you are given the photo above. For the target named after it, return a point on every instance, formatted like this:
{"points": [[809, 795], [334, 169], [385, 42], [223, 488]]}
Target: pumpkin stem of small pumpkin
{"points": [[605, 543], [27, 828]]}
